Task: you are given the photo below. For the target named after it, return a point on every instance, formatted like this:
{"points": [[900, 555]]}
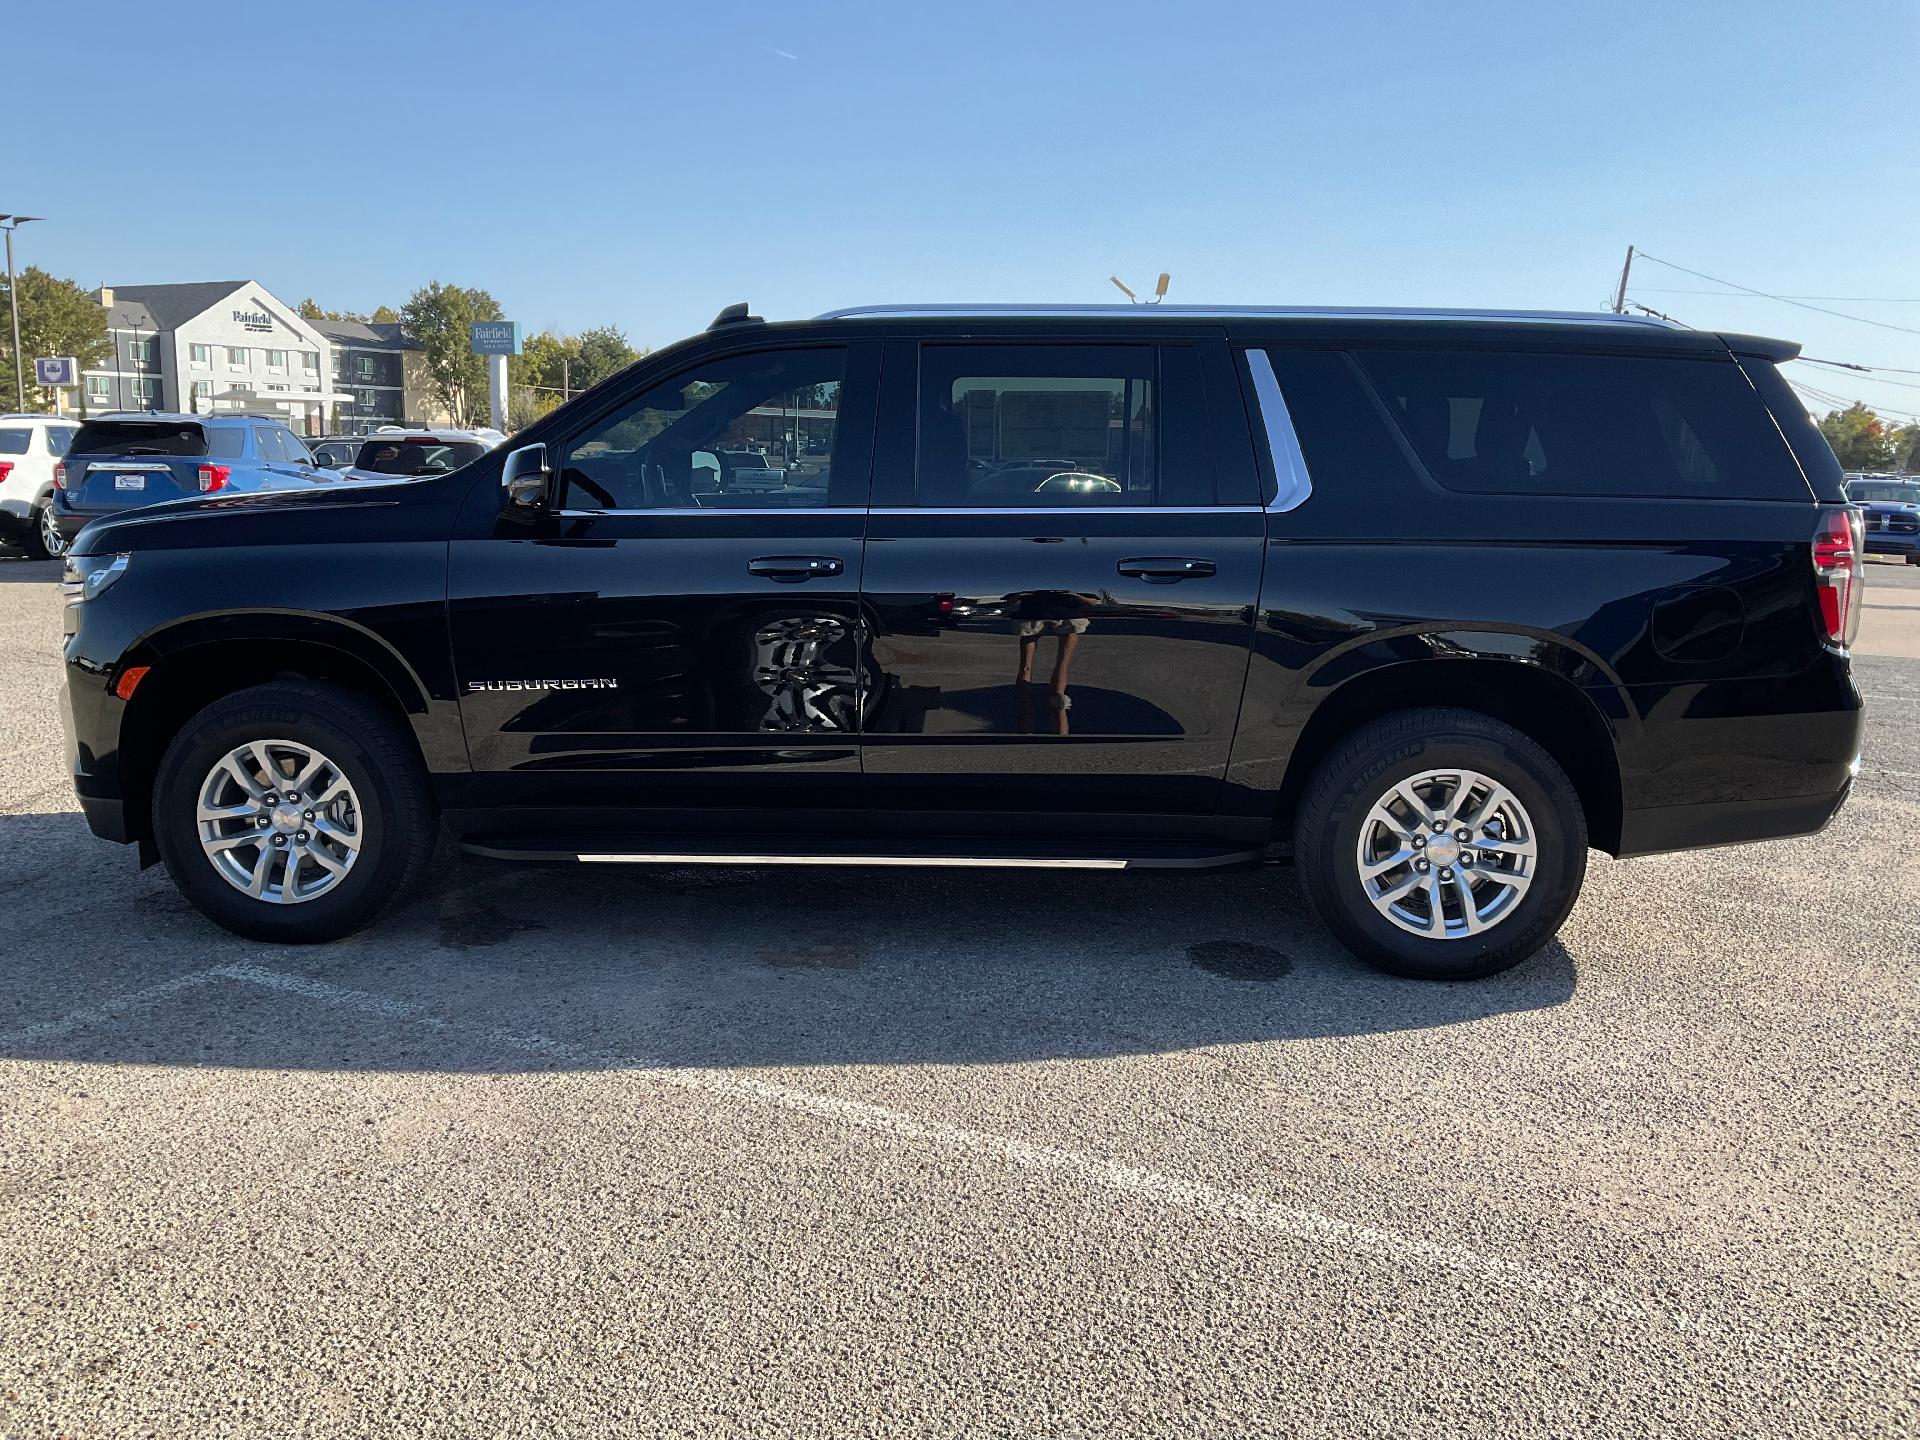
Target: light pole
{"points": [[13, 304]]}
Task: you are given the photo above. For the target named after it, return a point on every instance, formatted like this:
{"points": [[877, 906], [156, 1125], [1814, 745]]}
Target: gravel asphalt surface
{"points": [[822, 1153]]}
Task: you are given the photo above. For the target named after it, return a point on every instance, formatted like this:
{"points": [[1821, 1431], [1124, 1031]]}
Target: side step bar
{"points": [[963, 854]]}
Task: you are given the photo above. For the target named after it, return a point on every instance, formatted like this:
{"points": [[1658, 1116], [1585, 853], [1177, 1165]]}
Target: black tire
{"points": [[1914, 559], [1344, 788], [33, 538], [378, 757]]}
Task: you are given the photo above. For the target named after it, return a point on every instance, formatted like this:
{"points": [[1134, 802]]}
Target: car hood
{"points": [[250, 518]]}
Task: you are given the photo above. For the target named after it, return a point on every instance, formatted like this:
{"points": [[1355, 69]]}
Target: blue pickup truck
{"points": [[1892, 514], [118, 462]]}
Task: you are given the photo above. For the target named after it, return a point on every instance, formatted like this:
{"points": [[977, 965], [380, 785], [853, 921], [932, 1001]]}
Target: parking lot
{"points": [[813, 1152]]}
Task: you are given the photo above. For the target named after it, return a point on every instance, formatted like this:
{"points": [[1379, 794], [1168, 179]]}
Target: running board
{"points": [[964, 855]]}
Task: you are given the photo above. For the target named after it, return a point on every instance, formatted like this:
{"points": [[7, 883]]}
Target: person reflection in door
{"points": [[1061, 614]]}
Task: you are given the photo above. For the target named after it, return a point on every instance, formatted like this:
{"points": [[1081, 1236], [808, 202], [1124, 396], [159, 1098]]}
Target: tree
{"points": [[1859, 438], [57, 318], [310, 310], [1906, 449], [549, 367], [385, 315], [601, 353], [438, 319]]}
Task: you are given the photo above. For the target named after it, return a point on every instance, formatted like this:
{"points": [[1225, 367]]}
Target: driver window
{"points": [[753, 431]]}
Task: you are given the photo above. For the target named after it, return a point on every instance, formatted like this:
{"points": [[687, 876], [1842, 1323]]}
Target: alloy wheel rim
{"points": [[50, 537], [279, 821], [1447, 854]]}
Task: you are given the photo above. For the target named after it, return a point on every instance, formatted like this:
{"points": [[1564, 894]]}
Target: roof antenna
{"points": [[1159, 290]]}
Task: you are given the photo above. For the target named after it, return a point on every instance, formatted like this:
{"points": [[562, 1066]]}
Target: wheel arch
{"points": [[1560, 716], [191, 664]]}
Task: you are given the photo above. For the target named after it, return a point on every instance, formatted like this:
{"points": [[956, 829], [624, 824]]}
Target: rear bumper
{"points": [[1730, 822]]}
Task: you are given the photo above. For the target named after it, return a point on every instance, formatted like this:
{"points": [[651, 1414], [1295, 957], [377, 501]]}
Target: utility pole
{"points": [[1620, 295], [13, 305]]}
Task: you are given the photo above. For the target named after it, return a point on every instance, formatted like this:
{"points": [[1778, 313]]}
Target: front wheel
{"points": [[1441, 844], [292, 811]]}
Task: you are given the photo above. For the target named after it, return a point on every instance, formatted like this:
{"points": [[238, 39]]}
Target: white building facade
{"points": [[211, 346]]}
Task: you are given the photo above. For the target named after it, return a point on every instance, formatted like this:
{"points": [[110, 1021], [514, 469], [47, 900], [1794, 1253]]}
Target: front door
{"points": [[1062, 567], [685, 630]]}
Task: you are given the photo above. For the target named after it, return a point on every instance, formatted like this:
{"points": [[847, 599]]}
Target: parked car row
{"points": [[57, 476], [1890, 512]]}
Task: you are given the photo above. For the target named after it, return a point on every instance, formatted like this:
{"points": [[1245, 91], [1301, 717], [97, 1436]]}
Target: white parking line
{"points": [[1192, 1195], [117, 1008]]}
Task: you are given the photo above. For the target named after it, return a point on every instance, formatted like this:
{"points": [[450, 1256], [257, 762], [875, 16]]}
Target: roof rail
{"points": [[1295, 312]]}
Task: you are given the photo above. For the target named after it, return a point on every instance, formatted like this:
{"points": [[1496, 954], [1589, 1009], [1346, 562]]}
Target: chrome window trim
{"points": [[1058, 510], [1295, 485], [935, 510], [716, 510], [1224, 312]]}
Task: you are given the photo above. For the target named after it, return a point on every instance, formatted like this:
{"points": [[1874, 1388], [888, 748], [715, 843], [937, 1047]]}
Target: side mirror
{"points": [[527, 478]]}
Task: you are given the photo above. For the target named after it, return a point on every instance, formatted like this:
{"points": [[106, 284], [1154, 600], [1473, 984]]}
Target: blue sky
{"points": [[646, 164]]}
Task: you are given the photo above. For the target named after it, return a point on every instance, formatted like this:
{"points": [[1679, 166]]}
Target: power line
{"points": [[1850, 365], [1870, 379], [1859, 299], [1785, 300], [1841, 402]]}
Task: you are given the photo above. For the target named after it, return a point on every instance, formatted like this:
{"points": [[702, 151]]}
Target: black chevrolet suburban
{"points": [[1431, 601]]}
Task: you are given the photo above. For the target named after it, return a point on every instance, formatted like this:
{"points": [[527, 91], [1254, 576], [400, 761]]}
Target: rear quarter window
{"points": [[14, 442], [1494, 422]]}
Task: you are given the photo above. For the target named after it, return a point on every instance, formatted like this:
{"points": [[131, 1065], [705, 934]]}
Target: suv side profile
{"points": [[1432, 601], [140, 458], [30, 447]]}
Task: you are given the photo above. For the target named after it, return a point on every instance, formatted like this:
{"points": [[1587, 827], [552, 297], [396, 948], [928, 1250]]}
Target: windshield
{"points": [[408, 456], [1884, 491], [140, 437]]}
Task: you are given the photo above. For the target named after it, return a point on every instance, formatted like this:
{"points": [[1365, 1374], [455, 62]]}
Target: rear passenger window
{"points": [[1037, 426], [1547, 424]]}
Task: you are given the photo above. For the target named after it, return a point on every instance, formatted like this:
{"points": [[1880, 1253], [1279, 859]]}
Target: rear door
{"points": [[1062, 565]]}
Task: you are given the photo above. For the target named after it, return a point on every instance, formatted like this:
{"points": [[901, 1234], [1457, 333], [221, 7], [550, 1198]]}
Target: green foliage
{"points": [[1906, 449], [57, 318], [309, 309], [438, 320], [549, 365], [384, 315], [1859, 438]]}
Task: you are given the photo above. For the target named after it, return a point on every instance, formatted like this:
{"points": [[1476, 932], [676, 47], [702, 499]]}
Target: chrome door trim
{"points": [[1055, 510]]}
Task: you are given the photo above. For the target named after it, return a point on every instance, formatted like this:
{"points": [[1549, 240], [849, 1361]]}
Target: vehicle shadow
{"points": [[508, 968]]}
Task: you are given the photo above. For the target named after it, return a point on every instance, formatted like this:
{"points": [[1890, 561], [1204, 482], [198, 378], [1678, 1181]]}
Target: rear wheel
{"points": [[43, 540], [1441, 844], [292, 811]]}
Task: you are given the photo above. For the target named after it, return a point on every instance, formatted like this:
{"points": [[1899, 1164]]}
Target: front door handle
{"points": [[794, 568], [1163, 568]]}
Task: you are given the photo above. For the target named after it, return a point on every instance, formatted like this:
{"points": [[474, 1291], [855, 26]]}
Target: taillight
{"points": [[6, 469], [1836, 572], [212, 477], [59, 474]]}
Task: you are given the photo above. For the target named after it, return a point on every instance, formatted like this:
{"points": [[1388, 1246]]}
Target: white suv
{"points": [[30, 446]]}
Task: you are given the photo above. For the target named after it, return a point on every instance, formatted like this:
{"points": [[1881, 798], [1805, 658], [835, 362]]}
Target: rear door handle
{"points": [[794, 568], [1165, 567]]}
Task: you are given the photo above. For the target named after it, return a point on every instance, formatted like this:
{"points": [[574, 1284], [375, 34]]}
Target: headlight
{"points": [[87, 575]]}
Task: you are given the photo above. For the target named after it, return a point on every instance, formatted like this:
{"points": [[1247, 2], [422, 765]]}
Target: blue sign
{"points": [[496, 337], [59, 371]]}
